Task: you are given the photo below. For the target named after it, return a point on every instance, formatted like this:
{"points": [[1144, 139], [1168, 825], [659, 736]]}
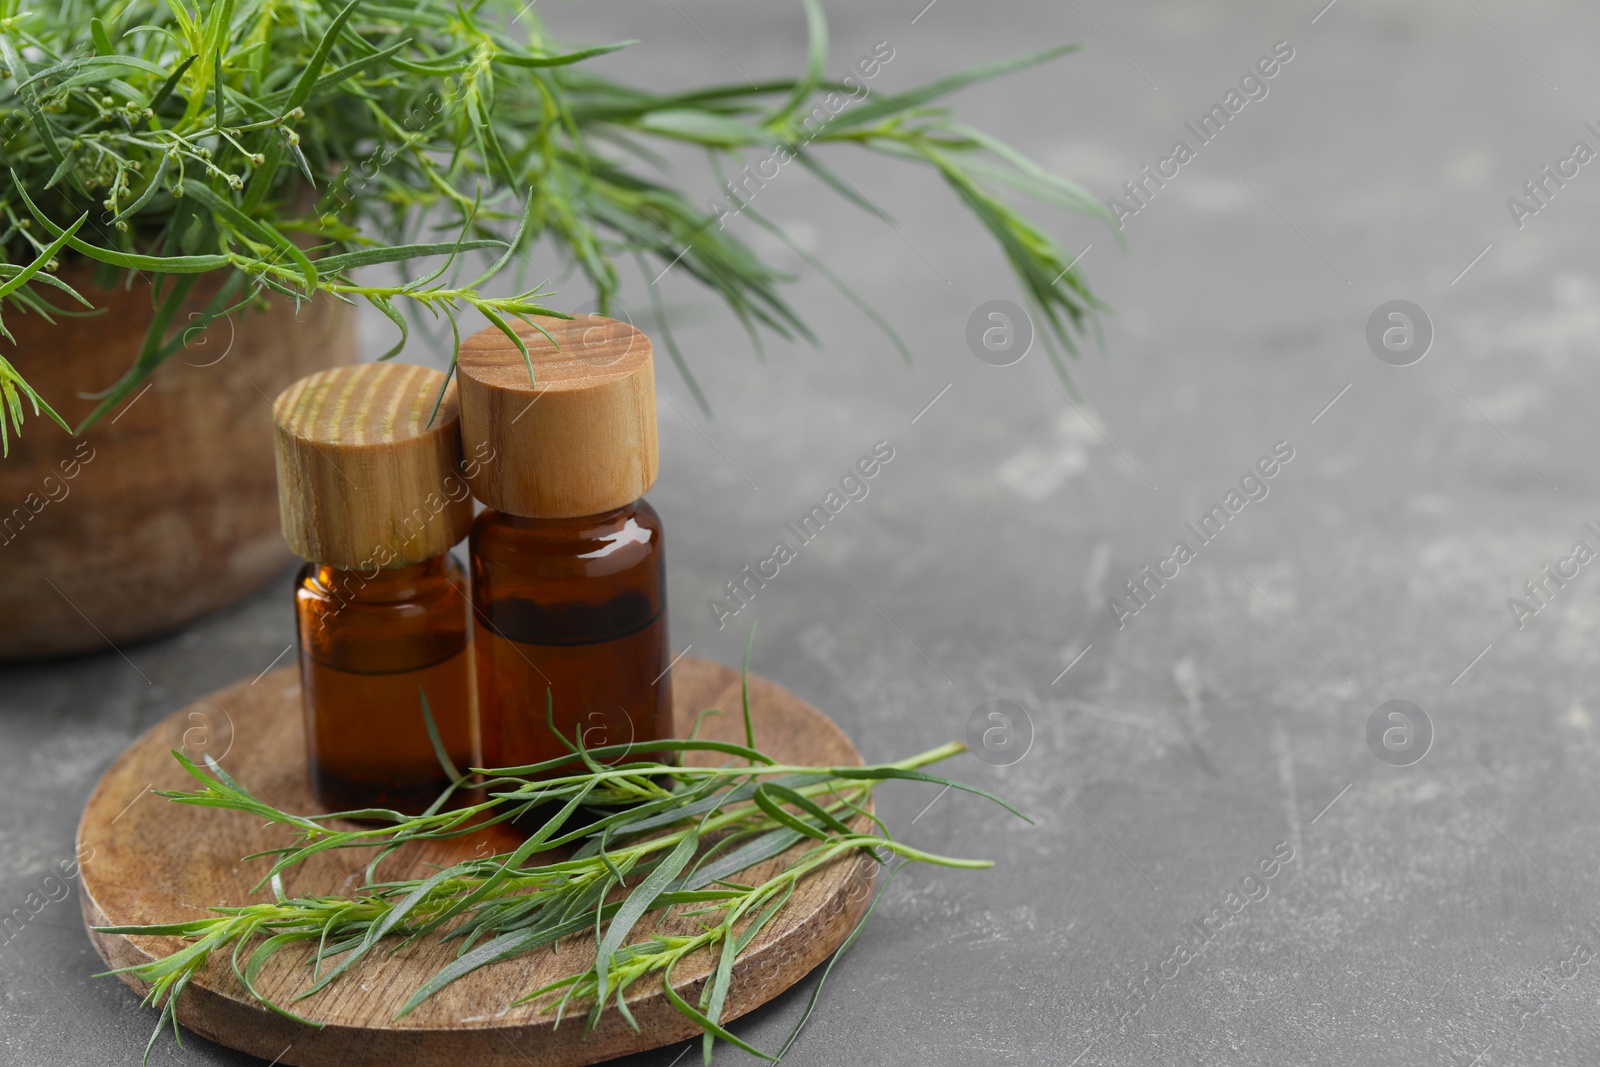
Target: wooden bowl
{"points": [[167, 508]]}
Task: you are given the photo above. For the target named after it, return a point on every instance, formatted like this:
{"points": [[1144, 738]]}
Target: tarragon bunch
{"points": [[235, 148], [655, 840]]}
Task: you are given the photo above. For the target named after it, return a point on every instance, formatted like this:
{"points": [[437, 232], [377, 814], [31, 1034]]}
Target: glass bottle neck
{"points": [[385, 584], [595, 525], [582, 534]]}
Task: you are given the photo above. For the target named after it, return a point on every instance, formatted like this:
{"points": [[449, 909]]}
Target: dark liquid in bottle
{"points": [[571, 618], [370, 648]]}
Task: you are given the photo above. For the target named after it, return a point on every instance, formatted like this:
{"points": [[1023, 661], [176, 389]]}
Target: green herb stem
{"points": [[275, 142], [675, 853]]}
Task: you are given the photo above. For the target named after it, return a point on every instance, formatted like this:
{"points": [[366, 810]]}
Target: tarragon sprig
{"points": [[655, 836]]}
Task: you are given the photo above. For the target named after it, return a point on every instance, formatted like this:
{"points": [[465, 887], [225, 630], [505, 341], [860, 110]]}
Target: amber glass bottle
{"points": [[569, 583], [373, 492], [367, 648], [576, 607]]}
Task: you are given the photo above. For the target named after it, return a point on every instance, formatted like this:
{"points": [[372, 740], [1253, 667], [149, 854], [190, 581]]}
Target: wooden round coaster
{"points": [[150, 861]]}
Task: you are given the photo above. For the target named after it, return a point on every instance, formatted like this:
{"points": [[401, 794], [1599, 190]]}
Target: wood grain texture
{"points": [[158, 862], [167, 508], [580, 441], [369, 466]]}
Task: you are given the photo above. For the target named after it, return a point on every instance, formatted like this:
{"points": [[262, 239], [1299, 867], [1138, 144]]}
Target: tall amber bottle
{"points": [[373, 493], [569, 584]]}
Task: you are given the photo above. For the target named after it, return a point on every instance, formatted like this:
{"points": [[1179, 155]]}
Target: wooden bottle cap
{"points": [[580, 439], [364, 478]]}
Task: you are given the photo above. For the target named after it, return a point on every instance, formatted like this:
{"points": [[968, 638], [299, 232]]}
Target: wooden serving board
{"points": [[150, 861]]}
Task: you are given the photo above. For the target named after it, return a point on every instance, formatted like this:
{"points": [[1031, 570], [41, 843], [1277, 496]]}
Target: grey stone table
{"points": [[1434, 911]]}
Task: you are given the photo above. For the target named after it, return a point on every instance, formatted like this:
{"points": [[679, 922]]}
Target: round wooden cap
{"points": [[580, 438], [364, 478]]}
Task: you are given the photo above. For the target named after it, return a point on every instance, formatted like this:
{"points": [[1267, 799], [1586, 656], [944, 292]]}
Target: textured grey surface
{"points": [[1434, 913]]}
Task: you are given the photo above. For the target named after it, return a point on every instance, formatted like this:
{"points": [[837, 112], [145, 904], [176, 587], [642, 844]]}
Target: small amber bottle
{"points": [[568, 578], [373, 492]]}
